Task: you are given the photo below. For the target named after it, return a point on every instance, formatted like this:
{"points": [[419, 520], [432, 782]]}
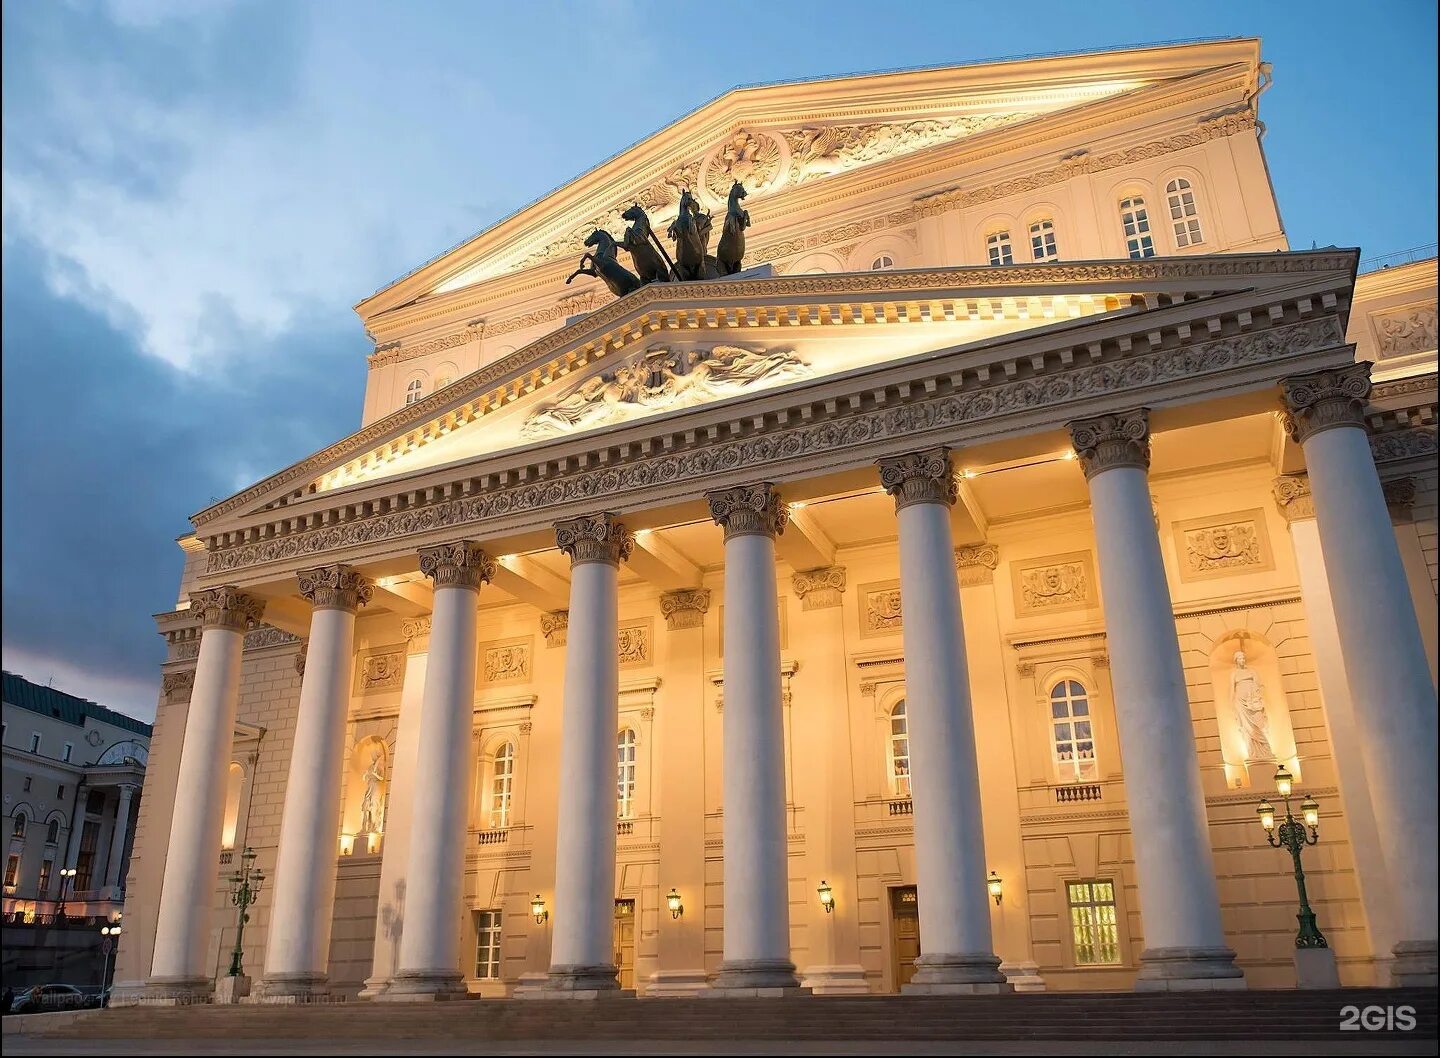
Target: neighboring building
{"points": [[517, 687]]}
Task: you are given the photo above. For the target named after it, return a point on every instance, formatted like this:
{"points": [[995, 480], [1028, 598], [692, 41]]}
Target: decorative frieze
{"points": [[380, 670], [269, 636], [1323, 400], [396, 352], [1394, 445], [594, 538], [839, 427], [880, 609], [920, 477], [227, 607], [685, 607], [335, 587], [819, 589], [976, 565], [1293, 497], [1219, 546], [635, 646], [1054, 584], [507, 661], [1108, 441], [1407, 330], [749, 510], [555, 627], [461, 564], [176, 686]]}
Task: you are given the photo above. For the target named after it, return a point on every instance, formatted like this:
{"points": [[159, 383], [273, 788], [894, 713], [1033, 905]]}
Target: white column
{"points": [[1385, 663], [757, 887], [113, 877], [399, 812], [958, 950], [582, 958], [1400, 494], [430, 943], [1179, 902], [182, 928], [297, 951]]}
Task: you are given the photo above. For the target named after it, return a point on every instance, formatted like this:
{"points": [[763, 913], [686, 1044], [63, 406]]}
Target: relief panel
{"points": [[380, 669], [1054, 584], [1221, 545]]}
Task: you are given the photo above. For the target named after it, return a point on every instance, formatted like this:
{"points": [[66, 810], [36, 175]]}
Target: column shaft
{"points": [[1179, 901], [113, 877]]}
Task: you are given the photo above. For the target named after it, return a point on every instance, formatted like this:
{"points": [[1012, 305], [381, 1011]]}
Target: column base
{"points": [[747, 974], [174, 992], [423, 986], [1315, 968], [131, 993], [676, 984], [583, 982], [1416, 964], [284, 988], [835, 980], [956, 975], [1188, 970], [230, 990], [373, 987], [1023, 976]]}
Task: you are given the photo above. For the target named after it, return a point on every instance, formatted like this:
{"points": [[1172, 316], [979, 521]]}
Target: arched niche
{"points": [[1244, 726], [367, 795]]}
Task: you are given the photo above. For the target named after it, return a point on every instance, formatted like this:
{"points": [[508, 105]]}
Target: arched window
{"points": [[899, 750], [1184, 215], [1042, 240], [52, 832], [444, 381], [1071, 732], [997, 245], [20, 823], [1135, 219], [625, 779], [882, 262], [502, 785], [414, 391]]}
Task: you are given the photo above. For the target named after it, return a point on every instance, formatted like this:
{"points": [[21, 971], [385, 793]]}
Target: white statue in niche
{"points": [[1248, 694], [370, 806]]}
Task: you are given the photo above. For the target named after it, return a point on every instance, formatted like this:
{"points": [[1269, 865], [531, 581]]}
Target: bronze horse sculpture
{"points": [[605, 265], [730, 251], [691, 232], [644, 248]]}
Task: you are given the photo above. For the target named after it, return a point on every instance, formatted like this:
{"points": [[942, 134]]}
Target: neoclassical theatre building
{"points": [[926, 605]]}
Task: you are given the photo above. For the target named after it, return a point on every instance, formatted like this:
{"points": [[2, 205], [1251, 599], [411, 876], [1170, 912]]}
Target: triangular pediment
{"points": [[789, 143]]}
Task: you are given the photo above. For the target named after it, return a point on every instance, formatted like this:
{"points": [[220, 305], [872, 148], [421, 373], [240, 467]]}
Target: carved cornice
{"points": [[1393, 445], [269, 636], [748, 510], [1323, 400], [594, 538], [335, 587], [819, 589], [947, 404], [920, 477], [1293, 497], [462, 564], [685, 607], [1402, 387], [977, 565], [1109, 441], [555, 626], [479, 385], [395, 352], [227, 607]]}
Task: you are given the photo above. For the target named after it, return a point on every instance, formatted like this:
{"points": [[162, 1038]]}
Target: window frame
{"points": [[35, 742], [1077, 769], [500, 789], [900, 780], [627, 772], [883, 262], [19, 824], [1187, 229], [489, 944], [1048, 233], [1135, 211], [1095, 925], [66, 751], [414, 391], [999, 248]]}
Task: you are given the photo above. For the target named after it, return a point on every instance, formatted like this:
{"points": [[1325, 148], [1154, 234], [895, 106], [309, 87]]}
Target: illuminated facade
{"points": [[974, 563]]}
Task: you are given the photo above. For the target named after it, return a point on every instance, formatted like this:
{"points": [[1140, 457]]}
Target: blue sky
{"points": [[196, 192]]}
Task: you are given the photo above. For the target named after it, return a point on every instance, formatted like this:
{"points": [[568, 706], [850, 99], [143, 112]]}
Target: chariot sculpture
{"points": [[690, 232]]}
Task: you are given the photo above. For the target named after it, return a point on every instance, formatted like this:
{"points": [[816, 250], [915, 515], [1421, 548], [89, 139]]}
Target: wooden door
{"points": [[904, 933], [625, 942]]}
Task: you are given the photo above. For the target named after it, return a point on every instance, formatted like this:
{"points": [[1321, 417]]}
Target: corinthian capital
{"points": [[226, 607], [1292, 496], [594, 538], [1323, 400], [1108, 441], [818, 589], [335, 587], [749, 510], [920, 477], [462, 564], [685, 607]]}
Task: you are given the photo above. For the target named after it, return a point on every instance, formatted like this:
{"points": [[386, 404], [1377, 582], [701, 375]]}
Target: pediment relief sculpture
{"points": [[662, 378]]}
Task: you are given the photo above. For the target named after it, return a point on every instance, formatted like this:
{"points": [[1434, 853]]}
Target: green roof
{"points": [[47, 701]]}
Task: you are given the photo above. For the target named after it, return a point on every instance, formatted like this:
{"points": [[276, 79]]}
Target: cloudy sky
{"points": [[196, 192]]}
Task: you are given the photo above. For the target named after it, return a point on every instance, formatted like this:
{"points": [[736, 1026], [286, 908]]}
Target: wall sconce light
{"points": [[996, 887], [537, 910], [673, 902], [827, 896]]}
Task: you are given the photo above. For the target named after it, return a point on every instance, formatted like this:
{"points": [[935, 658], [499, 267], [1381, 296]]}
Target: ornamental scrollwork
{"points": [[227, 607], [1323, 400], [920, 477], [819, 589], [748, 510], [460, 564], [594, 538], [335, 587], [1108, 441], [685, 607]]}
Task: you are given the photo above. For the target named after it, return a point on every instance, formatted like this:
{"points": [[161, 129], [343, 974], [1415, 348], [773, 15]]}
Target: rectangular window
{"points": [[69, 749], [47, 865], [27, 784], [12, 870], [85, 861], [1094, 922], [34, 742], [487, 945], [61, 791]]}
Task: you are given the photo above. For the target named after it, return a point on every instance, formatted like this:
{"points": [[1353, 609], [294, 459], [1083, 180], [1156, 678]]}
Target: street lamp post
{"points": [[67, 879], [1314, 962], [109, 940], [244, 891]]}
